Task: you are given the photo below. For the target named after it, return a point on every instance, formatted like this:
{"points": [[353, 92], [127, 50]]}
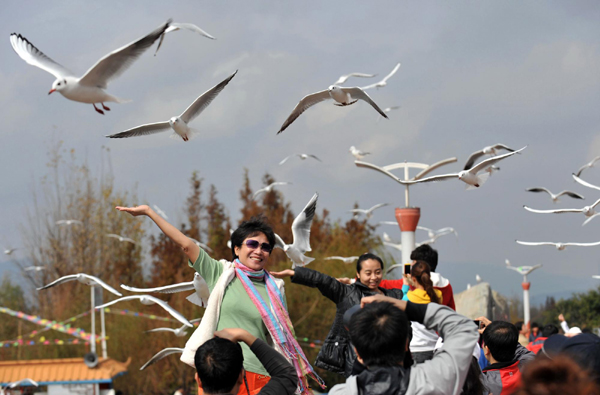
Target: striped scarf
{"points": [[278, 322]]}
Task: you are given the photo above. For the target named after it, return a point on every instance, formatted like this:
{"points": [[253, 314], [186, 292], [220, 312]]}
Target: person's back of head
{"points": [[420, 272], [501, 338], [379, 333], [549, 330], [519, 325], [559, 376], [218, 364], [427, 254]]}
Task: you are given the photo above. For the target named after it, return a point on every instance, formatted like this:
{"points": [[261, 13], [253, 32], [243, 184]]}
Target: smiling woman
{"points": [[242, 295]]}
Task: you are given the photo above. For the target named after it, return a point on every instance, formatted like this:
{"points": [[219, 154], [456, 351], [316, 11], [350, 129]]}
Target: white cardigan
{"points": [[208, 325]]}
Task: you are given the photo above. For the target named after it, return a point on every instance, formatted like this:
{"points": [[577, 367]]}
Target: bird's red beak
{"points": [[52, 90]]}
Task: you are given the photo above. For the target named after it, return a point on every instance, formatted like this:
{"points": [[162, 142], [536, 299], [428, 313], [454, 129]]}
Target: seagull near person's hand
{"points": [[198, 284], [84, 279], [383, 82], [91, 87], [178, 124], [301, 232], [341, 95]]}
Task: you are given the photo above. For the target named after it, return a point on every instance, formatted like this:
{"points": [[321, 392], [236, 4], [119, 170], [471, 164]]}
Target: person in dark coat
{"points": [[337, 354]]}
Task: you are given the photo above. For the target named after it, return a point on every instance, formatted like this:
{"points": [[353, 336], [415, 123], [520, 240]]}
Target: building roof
{"points": [[61, 371]]}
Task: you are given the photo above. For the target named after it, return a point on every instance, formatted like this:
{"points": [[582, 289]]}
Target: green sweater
{"points": [[237, 309]]}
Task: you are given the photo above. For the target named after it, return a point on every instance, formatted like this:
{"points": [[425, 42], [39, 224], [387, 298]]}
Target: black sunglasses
{"points": [[253, 245]]}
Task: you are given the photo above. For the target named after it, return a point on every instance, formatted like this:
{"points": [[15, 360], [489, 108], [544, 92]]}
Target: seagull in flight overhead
{"points": [[84, 279], [553, 196], [342, 96], [150, 300], [178, 124], [585, 183], [347, 260], [490, 150], [301, 156], [179, 332], [301, 233], [198, 284], [121, 238], [387, 240], [383, 82], [588, 211], [388, 109], [9, 251], [559, 246], [368, 212], [34, 268], [174, 26], [68, 222], [434, 234], [596, 276], [345, 77], [161, 354], [470, 177], [91, 87], [269, 188], [358, 154], [587, 166]]}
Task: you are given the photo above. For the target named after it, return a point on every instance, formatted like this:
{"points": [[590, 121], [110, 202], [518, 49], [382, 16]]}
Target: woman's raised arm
{"points": [[190, 248]]}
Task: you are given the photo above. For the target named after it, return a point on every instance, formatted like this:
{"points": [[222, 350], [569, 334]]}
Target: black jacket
{"points": [[337, 354]]}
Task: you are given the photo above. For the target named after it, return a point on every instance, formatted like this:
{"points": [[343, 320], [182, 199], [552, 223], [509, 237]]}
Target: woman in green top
{"points": [[242, 295]]}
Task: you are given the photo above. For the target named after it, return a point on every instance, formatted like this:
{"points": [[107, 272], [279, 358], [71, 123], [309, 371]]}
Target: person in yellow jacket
{"points": [[418, 288]]}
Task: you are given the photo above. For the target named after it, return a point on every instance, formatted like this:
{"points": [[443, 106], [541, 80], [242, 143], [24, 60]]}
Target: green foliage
{"points": [[582, 310]]}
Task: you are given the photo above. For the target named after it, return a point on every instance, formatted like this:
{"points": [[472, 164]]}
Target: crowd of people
{"points": [[387, 337]]}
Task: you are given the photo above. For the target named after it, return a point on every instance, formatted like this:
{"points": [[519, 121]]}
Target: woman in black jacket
{"points": [[337, 354]]}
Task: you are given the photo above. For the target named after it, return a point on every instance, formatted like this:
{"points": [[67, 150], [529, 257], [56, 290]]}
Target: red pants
{"points": [[255, 383]]}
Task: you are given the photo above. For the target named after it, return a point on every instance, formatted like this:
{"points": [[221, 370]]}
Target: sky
{"points": [[473, 74]]}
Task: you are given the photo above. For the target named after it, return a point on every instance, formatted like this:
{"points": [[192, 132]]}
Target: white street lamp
{"points": [[524, 271]]}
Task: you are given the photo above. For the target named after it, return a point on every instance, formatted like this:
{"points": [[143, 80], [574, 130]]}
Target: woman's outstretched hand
{"points": [[136, 210], [283, 273]]}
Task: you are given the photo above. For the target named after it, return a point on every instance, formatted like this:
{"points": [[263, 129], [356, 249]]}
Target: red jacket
{"points": [[536, 345], [439, 282]]}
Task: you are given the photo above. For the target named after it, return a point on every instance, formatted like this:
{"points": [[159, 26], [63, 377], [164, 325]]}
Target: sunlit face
{"points": [[371, 273], [256, 258]]}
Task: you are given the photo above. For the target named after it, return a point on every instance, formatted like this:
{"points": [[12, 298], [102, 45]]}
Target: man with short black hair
{"points": [[426, 253], [536, 345], [219, 365], [379, 333], [506, 356]]}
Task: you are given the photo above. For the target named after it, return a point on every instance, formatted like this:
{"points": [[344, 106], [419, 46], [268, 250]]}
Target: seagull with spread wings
{"points": [[587, 166], [150, 300], [367, 212], [20, 383], [198, 284], [178, 124], [179, 332], [555, 197], [174, 26], [269, 188], [490, 150], [9, 251], [68, 222], [91, 87], [559, 246], [383, 82], [161, 354], [346, 259], [435, 234], [342, 96], [84, 279], [588, 211], [585, 183], [121, 238], [301, 156], [34, 268], [301, 233], [388, 109]]}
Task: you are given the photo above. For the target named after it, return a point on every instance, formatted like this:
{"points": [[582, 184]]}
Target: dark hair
{"points": [[421, 273], [378, 331], [427, 254], [549, 330], [535, 325], [501, 338], [556, 376], [251, 228], [473, 384], [364, 257], [519, 325], [218, 363]]}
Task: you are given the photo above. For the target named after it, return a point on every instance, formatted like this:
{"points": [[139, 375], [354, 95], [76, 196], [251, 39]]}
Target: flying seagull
{"points": [[596, 276], [178, 124], [434, 234], [490, 150], [19, 383], [358, 154], [470, 177], [383, 82], [588, 211], [9, 251], [179, 332], [68, 222], [269, 188], [301, 233], [34, 268], [388, 109], [341, 95], [161, 354], [585, 183], [159, 211], [301, 156], [559, 246], [198, 284], [150, 300], [84, 279], [387, 240], [174, 26], [121, 238], [388, 223], [346, 260], [202, 245], [345, 77], [91, 87], [587, 166], [553, 196], [368, 212]]}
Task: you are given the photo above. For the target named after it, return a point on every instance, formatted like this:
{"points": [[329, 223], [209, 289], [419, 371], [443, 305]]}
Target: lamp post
{"points": [[524, 271], [407, 217]]}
